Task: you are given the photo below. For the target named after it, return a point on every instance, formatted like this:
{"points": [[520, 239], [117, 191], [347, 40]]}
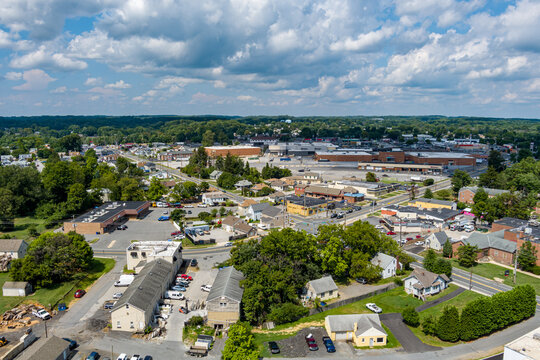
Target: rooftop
{"points": [[528, 345], [107, 211], [365, 322], [155, 248], [511, 222], [492, 192], [323, 284], [308, 201], [7, 245], [231, 147], [446, 155], [227, 284]]}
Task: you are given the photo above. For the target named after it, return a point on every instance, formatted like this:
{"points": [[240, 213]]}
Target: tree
{"points": [[460, 179], [332, 256], [361, 266], [240, 344], [496, 161], [443, 266], [428, 194], [467, 255], [156, 190], [490, 179], [448, 328], [428, 182], [53, 258], [227, 180], [208, 138], [411, 317], [523, 154], [480, 196], [7, 213], [203, 187], [77, 199], [430, 258], [370, 177], [287, 312], [69, 142], [527, 256], [447, 249]]}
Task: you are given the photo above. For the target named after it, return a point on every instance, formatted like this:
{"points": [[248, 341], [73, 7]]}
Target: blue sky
{"points": [[248, 57]]}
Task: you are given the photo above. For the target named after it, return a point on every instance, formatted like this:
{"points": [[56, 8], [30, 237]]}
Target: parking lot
{"points": [[296, 346], [219, 235]]}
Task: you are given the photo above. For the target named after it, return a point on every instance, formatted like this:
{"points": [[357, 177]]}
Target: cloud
{"points": [[13, 76], [59, 90], [363, 42], [120, 84], [36, 79], [93, 81], [48, 60], [246, 98]]}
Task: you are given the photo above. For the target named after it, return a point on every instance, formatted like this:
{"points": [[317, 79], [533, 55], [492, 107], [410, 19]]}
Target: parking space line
{"points": [[111, 244]]}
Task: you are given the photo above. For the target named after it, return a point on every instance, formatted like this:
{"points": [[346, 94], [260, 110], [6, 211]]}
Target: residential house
{"points": [[312, 177], [278, 185], [223, 301], [243, 184], [466, 194], [387, 263], [242, 208], [361, 329], [324, 288], [238, 227], [16, 288], [258, 187], [422, 283], [16, 248], [491, 245], [214, 175], [273, 217], [214, 198], [437, 240], [135, 310], [254, 211]]}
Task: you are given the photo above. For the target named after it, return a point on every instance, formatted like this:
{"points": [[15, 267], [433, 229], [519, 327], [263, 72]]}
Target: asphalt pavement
{"points": [[409, 341]]}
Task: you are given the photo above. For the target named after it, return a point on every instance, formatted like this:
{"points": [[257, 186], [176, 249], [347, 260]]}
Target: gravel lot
{"points": [[296, 346]]}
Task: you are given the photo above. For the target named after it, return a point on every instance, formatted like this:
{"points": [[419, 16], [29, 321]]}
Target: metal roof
{"points": [[227, 284], [365, 322]]}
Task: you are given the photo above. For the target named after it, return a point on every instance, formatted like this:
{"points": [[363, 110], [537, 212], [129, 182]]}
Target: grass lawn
{"points": [[430, 339], [262, 339], [491, 271], [459, 301], [58, 293], [22, 224], [391, 301], [192, 332], [448, 290]]}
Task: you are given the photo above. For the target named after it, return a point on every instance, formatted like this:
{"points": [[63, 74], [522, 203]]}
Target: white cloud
{"points": [[363, 42], [120, 84], [246, 98], [46, 59], [13, 76], [93, 81], [59, 90], [36, 79]]}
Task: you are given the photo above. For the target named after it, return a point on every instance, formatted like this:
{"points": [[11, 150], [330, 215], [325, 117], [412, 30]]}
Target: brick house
{"points": [[466, 194], [493, 245]]}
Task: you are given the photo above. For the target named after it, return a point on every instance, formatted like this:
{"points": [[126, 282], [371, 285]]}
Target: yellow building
{"points": [[305, 207], [361, 329], [432, 204]]}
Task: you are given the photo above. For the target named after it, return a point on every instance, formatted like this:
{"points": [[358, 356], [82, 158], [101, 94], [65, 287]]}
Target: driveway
{"points": [[447, 297], [404, 335]]}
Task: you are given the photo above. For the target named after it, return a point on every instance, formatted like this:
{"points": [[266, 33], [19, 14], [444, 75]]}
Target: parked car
{"points": [[202, 205], [409, 239], [178, 288], [312, 344], [390, 233], [228, 243], [122, 357], [136, 357], [147, 357], [109, 304], [188, 206], [117, 295], [163, 218], [183, 283], [273, 346], [361, 280], [183, 310], [194, 262], [42, 314], [350, 211], [185, 276], [206, 288], [121, 227], [93, 356], [373, 307], [79, 293], [339, 216], [419, 243], [418, 236], [189, 212], [333, 215], [176, 233], [329, 344], [72, 343]]}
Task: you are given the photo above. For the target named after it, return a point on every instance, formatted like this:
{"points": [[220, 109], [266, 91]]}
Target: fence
{"points": [[351, 300]]}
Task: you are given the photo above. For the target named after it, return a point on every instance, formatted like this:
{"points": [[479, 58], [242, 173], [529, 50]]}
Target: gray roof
{"points": [[441, 237], [323, 284], [426, 278], [260, 206], [47, 349], [15, 285], [382, 260], [271, 211], [10, 245], [342, 323], [491, 192], [511, 222], [227, 283], [149, 282], [242, 183], [493, 240]]}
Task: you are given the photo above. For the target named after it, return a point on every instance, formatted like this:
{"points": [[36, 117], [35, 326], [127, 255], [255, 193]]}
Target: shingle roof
{"points": [[426, 278], [323, 284], [441, 237], [382, 260], [493, 240], [365, 322], [10, 245], [242, 183], [323, 190], [492, 192], [227, 283], [15, 285], [511, 222], [48, 349], [247, 203], [149, 282], [260, 206], [271, 211]]}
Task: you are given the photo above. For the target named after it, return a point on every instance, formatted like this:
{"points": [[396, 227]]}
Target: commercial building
{"points": [[50, 348], [361, 329], [139, 253], [350, 195], [345, 156], [237, 150], [135, 310], [106, 217], [526, 347], [300, 149], [223, 301], [175, 155], [370, 189], [400, 168], [492, 245], [305, 206], [466, 194], [433, 204]]}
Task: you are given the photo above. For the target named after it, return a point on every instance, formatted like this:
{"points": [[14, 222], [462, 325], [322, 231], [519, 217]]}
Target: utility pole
{"points": [[470, 280], [515, 267]]}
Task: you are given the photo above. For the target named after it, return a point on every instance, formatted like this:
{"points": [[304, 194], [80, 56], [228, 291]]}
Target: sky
{"points": [[251, 57]]}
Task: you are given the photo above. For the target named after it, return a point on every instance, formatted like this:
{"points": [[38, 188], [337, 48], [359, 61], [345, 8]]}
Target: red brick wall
{"points": [[236, 152], [466, 196], [497, 227], [535, 245], [502, 257], [343, 157], [398, 156]]}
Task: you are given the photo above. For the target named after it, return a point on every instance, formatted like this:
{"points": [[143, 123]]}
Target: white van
{"points": [[175, 295]]}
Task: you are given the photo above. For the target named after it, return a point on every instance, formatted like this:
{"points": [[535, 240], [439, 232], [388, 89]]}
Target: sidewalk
{"points": [[512, 268]]}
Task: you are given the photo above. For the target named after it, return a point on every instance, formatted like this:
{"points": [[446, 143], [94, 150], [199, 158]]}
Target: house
{"points": [[135, 310], [272, 217], [466, 194], [361, 329], [238, 227], [242, 184], [47, 348], [254, 211], [16, 248], [242, 208], [258, 187], [491, 245], [422, 283], [387, 263], [16, 288], [324, 288], [437, 240], [214, 198], [278, 185], [223, 301], [433, 204], [214, 175]]}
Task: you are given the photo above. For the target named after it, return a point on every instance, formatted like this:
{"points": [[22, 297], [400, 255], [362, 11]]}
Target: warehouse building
{"points": [[106, 217], [223, 301], [141, 252], [237, 150]]}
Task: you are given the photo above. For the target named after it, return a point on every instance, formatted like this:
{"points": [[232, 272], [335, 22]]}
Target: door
{"points": [[341, 336], [371, 342]]}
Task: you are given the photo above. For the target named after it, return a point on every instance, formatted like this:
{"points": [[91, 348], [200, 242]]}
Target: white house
{"points": [[422, 283], [324, 288], [214, 198], [387, 263], [214, 175], [15, 248], [437, 240], [254, 211]]}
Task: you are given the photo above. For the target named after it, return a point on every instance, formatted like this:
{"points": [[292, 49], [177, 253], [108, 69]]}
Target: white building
{"points": [[387, 263], [526, 347], [214, 198], [139, 253], [324, 288], [422, 283]]}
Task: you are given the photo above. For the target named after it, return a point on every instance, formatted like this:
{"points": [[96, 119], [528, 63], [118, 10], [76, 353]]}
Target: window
{"points": [[496, 253], [222, 304], [363, 339], [380, 340], [131, 325], [331, 293], [118, 326]]}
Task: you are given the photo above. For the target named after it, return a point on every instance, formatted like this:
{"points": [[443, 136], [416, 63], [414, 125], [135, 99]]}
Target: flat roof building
{"points": [[237, 150], [526, 347], [104, 218], [141, 252]]}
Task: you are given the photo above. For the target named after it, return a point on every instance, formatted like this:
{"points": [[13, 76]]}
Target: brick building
{"points": [[237, 150], [493, 245], [466, 194]]}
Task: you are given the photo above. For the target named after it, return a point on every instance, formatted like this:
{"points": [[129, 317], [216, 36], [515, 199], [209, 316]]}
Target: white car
{"points": [[206, 288], [374, 308], [419, 243], [136, 357], [188, 206], [117, 295], [42, 314], [228, 243], [122, 357], [202, 205]]}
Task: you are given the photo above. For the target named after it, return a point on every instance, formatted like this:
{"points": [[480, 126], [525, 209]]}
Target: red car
{"points": [[176, 233], [311, 343], [79, 293], [409, 238], [418, 236], [185, 277], [390, 233]]}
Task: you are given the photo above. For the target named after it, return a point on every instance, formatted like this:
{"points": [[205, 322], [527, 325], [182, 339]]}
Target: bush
{"points": [[195, 321], [429, 325], [411, 317], [428, 182], [536, 270], [398, 282], [448, 326], [287, 312]]}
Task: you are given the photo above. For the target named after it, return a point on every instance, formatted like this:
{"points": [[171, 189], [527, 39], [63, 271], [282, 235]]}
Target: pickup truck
{"points": [[42, 314], [197, 351]]}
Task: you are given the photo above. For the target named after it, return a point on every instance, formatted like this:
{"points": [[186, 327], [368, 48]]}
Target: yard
{"points": [[22, 226], [60, 292], [491, 271]]}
